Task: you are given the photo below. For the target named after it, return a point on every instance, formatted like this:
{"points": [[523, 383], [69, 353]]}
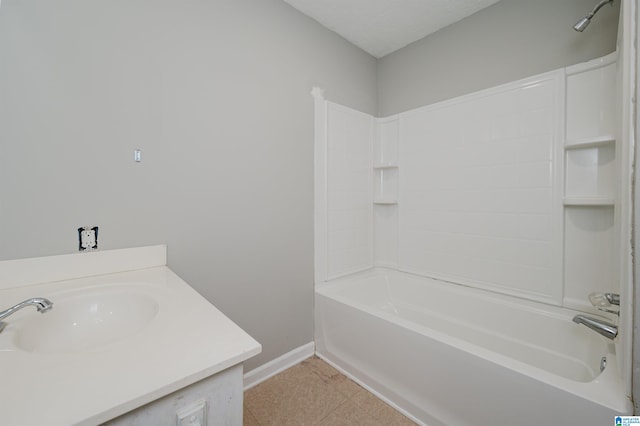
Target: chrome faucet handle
{"points": [[613, 298], [605, 301]]}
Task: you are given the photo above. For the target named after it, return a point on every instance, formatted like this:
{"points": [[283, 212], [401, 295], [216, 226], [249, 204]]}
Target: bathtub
{"points": [[445, 354]]}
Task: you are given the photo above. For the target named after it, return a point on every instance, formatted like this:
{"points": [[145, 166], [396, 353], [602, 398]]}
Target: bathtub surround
{"points": [[216, 95], [518, 200], [522, 189]]}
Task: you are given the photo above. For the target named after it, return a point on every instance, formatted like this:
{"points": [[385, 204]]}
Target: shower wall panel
{"points": [[592, 167], [480, 201], [512, 189], [591, 109], [349, 190]]}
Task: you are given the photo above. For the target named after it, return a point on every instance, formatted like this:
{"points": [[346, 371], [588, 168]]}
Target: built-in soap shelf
{"points": [[386, 185], [590, 172], [385, 162], [590, 142], [588, 201]]}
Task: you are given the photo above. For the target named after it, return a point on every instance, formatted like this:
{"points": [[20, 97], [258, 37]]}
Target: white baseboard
{"points": [[270, 369]]}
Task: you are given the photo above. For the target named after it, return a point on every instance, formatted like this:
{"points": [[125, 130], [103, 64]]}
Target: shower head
{"points": [[584, 22]]}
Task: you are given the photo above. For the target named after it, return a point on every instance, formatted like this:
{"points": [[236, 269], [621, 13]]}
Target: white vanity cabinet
{"points": [[127, 342]]}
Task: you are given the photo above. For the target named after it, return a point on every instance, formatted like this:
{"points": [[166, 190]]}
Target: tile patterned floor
{"points": [[314, 393]]}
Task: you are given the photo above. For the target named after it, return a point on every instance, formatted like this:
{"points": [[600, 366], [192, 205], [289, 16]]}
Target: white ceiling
{"points": [[383, 26]]}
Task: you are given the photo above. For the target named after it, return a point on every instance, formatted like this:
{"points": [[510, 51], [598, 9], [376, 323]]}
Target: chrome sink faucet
{"points": [[43, 305], [608, 330]]}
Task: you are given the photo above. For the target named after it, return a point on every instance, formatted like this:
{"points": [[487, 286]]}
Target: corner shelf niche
{"points": [[386, 172], [591, 182], [588, 201], [590, 198], [591, 171], [385, 162], [386, 185], [590, 142]]}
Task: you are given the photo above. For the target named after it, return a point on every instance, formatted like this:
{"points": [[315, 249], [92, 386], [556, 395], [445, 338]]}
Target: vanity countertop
{"points": [[187, 340]]}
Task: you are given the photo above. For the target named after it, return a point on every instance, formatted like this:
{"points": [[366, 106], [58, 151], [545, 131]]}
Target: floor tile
{"points": [[296, 396], [349, 414], [380, 410], [315, 393], [332, 376], [248, 419]]}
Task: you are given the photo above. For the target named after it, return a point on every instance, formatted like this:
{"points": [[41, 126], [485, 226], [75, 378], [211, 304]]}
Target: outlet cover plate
{"points": [[87, 238], [194, 414]]}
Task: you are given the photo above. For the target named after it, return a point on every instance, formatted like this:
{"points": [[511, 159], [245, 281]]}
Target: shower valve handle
{"points": [[606, 302], [613, 298]]}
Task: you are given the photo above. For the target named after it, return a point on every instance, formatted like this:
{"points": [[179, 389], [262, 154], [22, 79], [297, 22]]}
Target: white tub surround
{"points": [[514, 189], [450, 355], [521, 191], [89, 376]]}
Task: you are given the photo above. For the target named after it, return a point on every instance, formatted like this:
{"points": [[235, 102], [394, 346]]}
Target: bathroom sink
{"points": [[86, 320]]}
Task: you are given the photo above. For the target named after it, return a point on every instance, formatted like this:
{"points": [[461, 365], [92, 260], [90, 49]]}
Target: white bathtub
{"points": [[450, 355]]}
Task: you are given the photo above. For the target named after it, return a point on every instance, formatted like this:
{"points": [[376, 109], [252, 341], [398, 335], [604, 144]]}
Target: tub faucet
{"points": [[608, 330], [43, 305]]}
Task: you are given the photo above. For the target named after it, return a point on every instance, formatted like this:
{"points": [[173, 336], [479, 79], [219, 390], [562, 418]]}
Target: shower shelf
{"points": [[385, 166], [588, 201], [590, 142], [385, 185]]}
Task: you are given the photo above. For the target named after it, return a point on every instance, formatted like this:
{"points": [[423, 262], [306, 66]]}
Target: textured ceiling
{"points": [[383, 26]]}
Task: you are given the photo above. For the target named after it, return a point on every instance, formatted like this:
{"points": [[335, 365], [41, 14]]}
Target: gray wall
{"points": [[508, 41], [216, 94]]}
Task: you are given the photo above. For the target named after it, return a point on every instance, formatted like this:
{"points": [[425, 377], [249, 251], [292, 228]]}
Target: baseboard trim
{"points": [[270, 369]]}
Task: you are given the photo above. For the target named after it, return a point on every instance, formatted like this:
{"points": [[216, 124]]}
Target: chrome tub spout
{"points": [[608, 330]]}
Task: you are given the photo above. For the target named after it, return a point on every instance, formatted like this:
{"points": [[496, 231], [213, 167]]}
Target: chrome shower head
{"points": [[584, 22]]}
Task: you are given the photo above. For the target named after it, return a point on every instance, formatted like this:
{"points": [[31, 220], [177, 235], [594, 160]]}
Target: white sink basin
{"points": [[85, 320]]}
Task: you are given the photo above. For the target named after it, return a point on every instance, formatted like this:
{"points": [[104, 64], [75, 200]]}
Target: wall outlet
{"points": [[193, 415], [87, 238]]}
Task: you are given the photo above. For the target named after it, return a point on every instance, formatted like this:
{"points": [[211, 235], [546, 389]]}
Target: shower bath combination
{"points": [[584, 22], [429, 300]]}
